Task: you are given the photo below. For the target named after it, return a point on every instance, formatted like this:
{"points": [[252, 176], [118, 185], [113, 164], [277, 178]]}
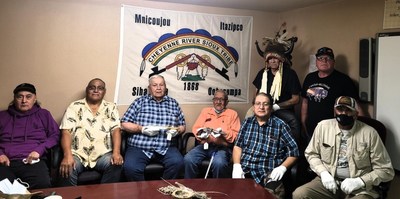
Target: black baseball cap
{"points": [[325, 51], [25, 87]]}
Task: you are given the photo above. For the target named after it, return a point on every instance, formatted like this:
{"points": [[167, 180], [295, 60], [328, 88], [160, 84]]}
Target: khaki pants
{"points": [[315, 189]]}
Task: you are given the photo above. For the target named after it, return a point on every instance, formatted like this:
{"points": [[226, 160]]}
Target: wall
{"points": [[59, 45], [339, 25]]}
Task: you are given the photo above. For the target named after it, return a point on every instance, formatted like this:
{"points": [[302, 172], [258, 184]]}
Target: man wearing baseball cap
{"points": [[27, 132], [348, 156], [321, 88]]}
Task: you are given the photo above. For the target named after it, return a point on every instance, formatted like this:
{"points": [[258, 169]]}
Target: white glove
{"points": [[25, 161], [237, 172], [200, 130], [276, 107], [150, 130], [328, 181], [203, 135], [278, 173], [171, 133], [351, 184], [217, 132]]}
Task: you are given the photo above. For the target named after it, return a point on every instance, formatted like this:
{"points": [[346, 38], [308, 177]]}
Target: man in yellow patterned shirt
{"points": [[91, 137]]}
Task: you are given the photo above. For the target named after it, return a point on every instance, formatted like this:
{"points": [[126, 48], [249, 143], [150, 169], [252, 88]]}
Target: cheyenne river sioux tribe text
{"points": [[187, 86]]}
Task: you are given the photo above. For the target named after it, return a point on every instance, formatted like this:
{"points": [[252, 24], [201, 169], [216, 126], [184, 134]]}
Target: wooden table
{"points": [[234, 188]]}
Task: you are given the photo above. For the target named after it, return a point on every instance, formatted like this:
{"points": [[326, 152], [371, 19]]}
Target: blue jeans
{"points": [[219, 165], [136, 161], [110, 173]]}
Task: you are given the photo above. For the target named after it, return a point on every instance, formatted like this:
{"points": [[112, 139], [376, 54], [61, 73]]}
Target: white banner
{"points": [[196, 53]]}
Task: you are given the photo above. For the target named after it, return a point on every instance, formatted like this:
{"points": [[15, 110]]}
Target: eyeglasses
{"points": [[258, 104], [99, 88], [216, 99], [324, 59]]}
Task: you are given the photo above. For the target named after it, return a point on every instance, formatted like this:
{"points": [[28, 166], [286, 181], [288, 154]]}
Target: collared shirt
{"points": [[228, 121], [146, 111], [264, 147], [91, 133], [368, 158]]}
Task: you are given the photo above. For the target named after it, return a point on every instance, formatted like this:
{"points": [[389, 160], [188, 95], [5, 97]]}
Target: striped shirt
{"points": [[264, 147], [146, 111]]}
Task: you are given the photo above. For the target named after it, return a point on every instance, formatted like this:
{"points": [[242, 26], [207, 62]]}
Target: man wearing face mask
{"points": [[348, 156]]}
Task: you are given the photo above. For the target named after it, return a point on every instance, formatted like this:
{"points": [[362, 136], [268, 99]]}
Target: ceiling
{"points": [[261, 5]]}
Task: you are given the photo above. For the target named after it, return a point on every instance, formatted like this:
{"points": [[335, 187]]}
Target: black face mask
{"points": [[345, 120]]}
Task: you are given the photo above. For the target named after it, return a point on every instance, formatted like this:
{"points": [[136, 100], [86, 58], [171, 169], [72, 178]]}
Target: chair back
{"points": [[383, 187], [86, 177], [377, 125]]}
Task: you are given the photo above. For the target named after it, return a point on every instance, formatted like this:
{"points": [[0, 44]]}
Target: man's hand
{"points": [[278, 173], [201, 130], [276, 107], [32, 158], [150, 130], [237, 171], [351, 184], [117, 159], [172, 132], [4, 160], [66, 166], [328, 181], [217, 132], [202, 133]]}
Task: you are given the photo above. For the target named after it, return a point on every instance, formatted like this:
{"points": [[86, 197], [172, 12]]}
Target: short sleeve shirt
{"points": [[146, 111], [321, 94], [91, 133]]}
